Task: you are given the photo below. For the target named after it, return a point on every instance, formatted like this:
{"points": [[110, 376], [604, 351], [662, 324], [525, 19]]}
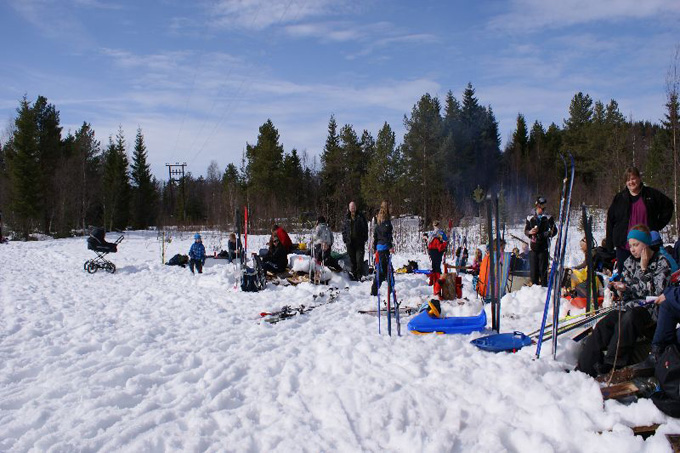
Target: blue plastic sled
{"points": [[423, 323], [422, 271], [509, 342]]}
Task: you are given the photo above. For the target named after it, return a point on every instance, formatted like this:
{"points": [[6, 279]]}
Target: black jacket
{"points": [[278, 256], [659, 213], [355, 232], [382, 234], [546, 230]]}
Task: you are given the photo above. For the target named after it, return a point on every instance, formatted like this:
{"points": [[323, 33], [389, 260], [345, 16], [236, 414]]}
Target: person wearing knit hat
{"points": [[657, 246], [645, 273], [197, 254]]}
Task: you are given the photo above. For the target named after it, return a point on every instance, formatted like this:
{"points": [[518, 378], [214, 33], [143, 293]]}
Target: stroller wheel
{"points": [[110, 267], [86, 264], [92, 267]]}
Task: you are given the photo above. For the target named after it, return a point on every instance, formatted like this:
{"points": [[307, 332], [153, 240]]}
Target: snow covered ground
{"points": [[153, 358]]}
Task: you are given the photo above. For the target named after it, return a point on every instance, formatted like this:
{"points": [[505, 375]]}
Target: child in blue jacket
{"points": [[197, 254]]}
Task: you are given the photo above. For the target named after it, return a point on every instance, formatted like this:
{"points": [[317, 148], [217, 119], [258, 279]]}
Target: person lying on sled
{"points": [[645, 273]]}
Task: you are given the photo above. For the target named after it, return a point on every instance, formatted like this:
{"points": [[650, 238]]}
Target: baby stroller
{"points": [[98, 245]]}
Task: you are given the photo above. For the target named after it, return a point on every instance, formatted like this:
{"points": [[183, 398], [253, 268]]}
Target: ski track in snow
{"points": [[155, 359]]}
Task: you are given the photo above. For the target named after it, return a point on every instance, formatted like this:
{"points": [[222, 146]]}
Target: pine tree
{"points": [[49, 157], [424, 157], [24, 170], [143, 188], [232, 187], [353, 152], [333, 170], [116, 185], [87, 152], [671, 123], [264, 168], [293, 176], [578, 135], [380, 180]]}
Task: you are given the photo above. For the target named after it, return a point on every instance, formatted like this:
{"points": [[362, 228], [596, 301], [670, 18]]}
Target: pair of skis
{"points": [[557, 268], [493, 276], [287, 312], [591, 283], [392, 301]]}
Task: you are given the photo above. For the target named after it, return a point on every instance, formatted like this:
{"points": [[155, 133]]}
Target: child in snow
{"points": [[197, 254]]}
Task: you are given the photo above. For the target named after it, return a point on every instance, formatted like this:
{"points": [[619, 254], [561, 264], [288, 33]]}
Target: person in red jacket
{"points": [[283, 237]]}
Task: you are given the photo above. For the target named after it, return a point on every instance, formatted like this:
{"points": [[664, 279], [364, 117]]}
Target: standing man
{"points": [[634, 205], [355, 235], [539, 227]]}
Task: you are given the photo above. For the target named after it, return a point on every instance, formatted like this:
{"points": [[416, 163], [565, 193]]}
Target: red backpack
{"points": [[438, 244]]}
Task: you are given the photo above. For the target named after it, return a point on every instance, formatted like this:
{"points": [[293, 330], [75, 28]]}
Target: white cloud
{"points": [[533, 15], [52, 20], [261, 14], [328, 31]]}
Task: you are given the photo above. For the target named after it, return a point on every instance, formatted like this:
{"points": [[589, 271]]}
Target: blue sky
{"points": [[200, 77]]}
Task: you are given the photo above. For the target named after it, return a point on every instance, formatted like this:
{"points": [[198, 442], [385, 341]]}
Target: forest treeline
{"points": [[448, 158]]}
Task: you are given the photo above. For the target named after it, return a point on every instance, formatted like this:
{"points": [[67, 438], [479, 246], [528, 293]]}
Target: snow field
{"points": [[153, 358]]}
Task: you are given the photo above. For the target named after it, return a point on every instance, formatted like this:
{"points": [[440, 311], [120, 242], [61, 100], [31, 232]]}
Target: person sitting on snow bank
{"points": [[645, 273], [276, 258], [323, 242], [283, 237], [197, 254], [234, 248]]}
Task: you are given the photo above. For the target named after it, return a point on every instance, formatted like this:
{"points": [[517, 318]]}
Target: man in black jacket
{"points": [[636, 204], [539, 228], [355, 235]]}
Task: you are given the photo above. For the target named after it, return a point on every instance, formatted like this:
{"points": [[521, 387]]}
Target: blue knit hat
{"points": [[641, 236], [197, 236]]}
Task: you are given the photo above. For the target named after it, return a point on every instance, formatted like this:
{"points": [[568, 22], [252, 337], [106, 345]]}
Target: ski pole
{"points": [[397, 315], [377, 285]]}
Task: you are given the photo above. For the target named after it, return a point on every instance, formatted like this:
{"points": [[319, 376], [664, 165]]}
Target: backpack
{"points": [[254, 278], [438, 244], [249, 280], [178, 260], [667, 371]]}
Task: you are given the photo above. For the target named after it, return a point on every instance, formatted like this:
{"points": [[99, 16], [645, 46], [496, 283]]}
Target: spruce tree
{"points": [[671, 124], [49, 157], [143, 188], [87, 156], [333, 170], [264, 168], [116, 185], [292, 181], [232, 188], [424, 157], [24, 170], [380, 180]]}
